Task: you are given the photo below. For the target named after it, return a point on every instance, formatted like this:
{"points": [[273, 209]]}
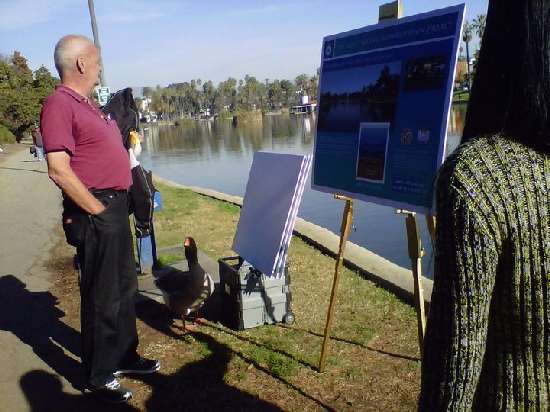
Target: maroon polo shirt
{"points": [[72, 123]]}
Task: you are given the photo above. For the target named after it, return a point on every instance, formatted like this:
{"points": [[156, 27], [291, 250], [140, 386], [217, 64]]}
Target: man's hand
{"points": [[59, 170]]}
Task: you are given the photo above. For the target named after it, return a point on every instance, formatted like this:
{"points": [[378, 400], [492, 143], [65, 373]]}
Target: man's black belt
{"points": [[102, 193]]}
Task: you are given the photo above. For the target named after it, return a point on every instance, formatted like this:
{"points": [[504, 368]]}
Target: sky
{"points": [[149, 43]]}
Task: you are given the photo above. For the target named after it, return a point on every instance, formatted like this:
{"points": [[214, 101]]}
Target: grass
{"points": [[373, 360], [461, 96], [365, 314], [168, 259]]}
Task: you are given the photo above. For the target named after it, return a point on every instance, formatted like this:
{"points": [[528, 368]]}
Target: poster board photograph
{"points": [[373, 149]]}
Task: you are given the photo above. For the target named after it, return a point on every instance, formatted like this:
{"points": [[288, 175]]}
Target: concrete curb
{"points": [[384, 273]]}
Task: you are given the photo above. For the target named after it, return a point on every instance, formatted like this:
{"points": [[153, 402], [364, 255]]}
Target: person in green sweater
{"points": [[487, 339]]}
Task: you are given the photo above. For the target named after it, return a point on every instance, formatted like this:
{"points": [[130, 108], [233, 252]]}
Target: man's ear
{"points": [[80, 64]]}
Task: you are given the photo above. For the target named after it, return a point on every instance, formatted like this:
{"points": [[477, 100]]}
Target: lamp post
{"points": [[96, 41]]}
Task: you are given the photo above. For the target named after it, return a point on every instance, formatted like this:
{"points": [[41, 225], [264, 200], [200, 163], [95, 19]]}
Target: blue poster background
{"points": [[401, 74]]}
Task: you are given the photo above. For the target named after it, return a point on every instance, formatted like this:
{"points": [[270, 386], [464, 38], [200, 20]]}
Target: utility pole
{"points": [[96, 41]]}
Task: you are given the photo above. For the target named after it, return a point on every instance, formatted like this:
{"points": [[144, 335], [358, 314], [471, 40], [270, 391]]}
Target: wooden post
{"points": [[390, 11], [415, 254], [347, 219]]}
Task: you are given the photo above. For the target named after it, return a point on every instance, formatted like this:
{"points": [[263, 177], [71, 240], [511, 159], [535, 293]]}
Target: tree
{"points": [[313, 86], [275, 94], [209, 94], [250, 93], [189, 98], [512, 95], [302, 84], [22, 93], [467, 38], [478, 25], [20, 66], [148, 91], [43, 83], [289, 97], [226, 96]]}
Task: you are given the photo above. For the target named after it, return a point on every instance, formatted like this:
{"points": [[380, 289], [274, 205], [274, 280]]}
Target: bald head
{"points": [[78, 62], [68, 49]]}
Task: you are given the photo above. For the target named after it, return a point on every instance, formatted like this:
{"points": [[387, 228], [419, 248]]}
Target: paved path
{"points": [[33, 341], [39, 354]]}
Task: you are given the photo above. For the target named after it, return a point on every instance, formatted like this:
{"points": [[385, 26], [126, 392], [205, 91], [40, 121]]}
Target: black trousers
{"points": [[108, 284]]}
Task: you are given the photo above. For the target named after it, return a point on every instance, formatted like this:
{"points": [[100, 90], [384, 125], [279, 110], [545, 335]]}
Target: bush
{"points": [[5, 135]]}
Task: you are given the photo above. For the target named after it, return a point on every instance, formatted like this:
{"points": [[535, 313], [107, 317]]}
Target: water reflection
{"points": [[207, 140], [217, 155]]}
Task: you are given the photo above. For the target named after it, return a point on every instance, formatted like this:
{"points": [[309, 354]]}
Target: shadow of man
{"points": [[35, 319], [203, 381], [44, 393], [200, 386]]}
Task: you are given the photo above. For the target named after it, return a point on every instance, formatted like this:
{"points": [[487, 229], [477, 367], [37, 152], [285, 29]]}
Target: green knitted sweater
{"points": [[487, 339]]}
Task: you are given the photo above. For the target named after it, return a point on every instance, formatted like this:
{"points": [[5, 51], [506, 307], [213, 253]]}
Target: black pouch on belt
{"points": [[75, 223]]}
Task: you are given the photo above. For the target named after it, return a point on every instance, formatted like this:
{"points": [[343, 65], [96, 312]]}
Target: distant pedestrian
{"points": [[37, 143], [87, 160], [487, 341]]}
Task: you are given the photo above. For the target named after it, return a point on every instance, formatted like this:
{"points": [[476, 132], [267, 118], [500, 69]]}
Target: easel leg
{"points": [[431, 223], [419, 303], [415, 254], [344, 233]]}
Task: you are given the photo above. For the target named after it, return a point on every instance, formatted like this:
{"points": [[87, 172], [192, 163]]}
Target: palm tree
{"points": [[479, 25], [467, 38]]}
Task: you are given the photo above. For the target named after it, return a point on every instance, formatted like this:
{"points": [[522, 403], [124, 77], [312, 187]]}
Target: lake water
{"points": [[217, 155]]}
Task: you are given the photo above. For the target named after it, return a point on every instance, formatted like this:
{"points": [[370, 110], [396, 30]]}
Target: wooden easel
{"points": [[416, 252], [386, 12], [345, 228]]}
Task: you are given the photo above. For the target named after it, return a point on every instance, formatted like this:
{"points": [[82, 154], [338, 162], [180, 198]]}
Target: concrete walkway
{"points": [[33, 340]]}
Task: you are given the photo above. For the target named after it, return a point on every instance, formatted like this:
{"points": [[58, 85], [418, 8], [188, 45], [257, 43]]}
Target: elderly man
{"points": [[88, 162]]}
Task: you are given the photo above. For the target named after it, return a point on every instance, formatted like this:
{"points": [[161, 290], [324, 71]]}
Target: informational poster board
{"points": [[384, 101]]}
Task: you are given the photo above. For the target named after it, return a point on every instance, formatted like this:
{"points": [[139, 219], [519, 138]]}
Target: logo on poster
{"points": [[406, 136], [329, 49], [423, 135]]}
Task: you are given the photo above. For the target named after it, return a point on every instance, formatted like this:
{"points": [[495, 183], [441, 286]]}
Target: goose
{"points": [[185, 292]]}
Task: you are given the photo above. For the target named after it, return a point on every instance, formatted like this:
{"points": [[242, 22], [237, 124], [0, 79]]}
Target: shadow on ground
{"points": [[200, 386], [351, 342], [202, 382], [44, 393], [35, 319]]}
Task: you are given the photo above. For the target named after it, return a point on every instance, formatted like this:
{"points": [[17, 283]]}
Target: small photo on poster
{"points": [[358, 94], [372, 152], [425, 73]]}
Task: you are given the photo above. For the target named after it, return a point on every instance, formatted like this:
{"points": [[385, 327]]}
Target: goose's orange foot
{"points": [[189, 327]]}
